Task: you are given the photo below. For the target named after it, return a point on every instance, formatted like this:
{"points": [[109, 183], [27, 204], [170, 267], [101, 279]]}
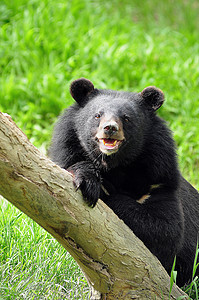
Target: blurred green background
{"points": [[124, 45]]}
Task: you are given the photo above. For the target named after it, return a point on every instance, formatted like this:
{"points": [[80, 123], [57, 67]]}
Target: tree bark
{"points": [[115, 262]]}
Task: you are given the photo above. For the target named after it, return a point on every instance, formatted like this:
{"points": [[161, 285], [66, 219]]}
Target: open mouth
{"points": [[109, 146]]}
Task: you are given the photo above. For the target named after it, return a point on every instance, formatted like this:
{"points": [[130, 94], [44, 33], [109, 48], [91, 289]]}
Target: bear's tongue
{"points": [[109, 143], [109, 146]]}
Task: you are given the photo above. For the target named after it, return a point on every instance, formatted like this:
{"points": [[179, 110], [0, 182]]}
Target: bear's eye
{"points": [[97, 116], [126, 118]]}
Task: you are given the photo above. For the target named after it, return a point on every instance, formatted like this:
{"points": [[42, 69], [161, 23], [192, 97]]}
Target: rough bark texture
{"points": [[115, 262]]}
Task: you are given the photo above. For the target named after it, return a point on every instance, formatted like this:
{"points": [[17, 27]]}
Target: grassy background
{"points": [[118, 44]]}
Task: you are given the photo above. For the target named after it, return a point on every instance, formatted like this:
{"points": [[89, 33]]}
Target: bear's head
{"points": [[111, 125]]}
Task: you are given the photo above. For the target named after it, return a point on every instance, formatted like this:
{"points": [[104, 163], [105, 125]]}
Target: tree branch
{"points": [[115, 262]]}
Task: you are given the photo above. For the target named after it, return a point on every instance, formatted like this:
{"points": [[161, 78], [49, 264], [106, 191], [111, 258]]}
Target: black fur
{"points": [[140, 181]]}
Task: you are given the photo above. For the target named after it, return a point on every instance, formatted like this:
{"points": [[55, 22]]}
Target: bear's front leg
{"points": [[87, 179], [157, 219]]}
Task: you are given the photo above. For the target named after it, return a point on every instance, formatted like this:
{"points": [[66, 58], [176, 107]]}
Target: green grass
{"points": [[124, 45], [192, 290], [33, 265]]}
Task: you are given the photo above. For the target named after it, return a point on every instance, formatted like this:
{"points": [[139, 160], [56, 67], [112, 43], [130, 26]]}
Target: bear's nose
{"points": [[110, 128]]}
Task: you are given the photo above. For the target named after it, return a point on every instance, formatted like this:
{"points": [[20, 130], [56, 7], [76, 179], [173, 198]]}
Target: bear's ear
{"points": [[153, 97], [80, 89]]}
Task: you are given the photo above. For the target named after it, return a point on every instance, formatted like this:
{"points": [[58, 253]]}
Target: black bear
{"points": [[119, 150]]}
